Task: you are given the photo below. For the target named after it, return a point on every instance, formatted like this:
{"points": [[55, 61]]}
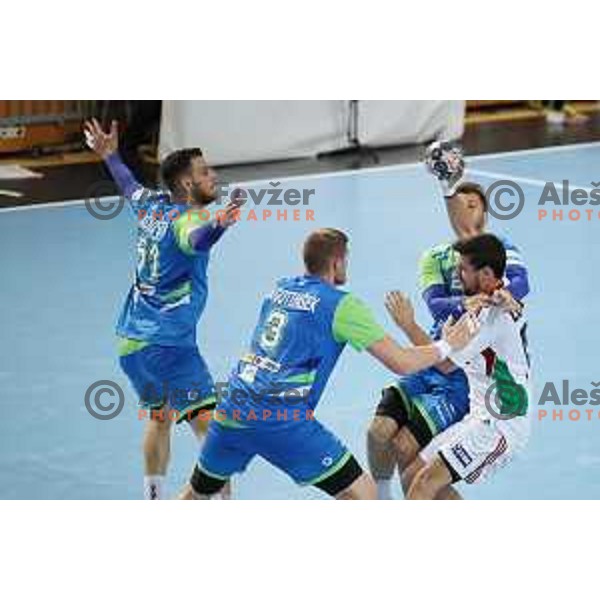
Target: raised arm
{"points": [[106, 144]]}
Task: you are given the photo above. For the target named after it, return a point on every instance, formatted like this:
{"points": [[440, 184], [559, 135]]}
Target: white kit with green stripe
{"points": [[497, 366]]}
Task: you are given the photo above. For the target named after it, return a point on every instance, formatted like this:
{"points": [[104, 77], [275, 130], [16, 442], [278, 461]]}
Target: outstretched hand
{"points": [[400, 309], [103, 143]]}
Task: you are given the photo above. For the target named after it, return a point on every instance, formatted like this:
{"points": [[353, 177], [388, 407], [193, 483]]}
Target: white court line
{"points": [[544, 150], [343, 173], [525, 180], [61, 204], [327, 174]]}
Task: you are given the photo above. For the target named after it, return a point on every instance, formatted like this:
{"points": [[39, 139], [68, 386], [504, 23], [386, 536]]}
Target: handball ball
{"points": [[445, 160]]}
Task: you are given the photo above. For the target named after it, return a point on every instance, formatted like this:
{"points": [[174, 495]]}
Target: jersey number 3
{"points": [[273, 329]]}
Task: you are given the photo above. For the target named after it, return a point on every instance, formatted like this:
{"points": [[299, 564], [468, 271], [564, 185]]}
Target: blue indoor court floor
{"points": [[64, 274]]}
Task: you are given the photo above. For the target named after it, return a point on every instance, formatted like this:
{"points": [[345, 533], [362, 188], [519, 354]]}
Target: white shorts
{"points": [[476, 448]]}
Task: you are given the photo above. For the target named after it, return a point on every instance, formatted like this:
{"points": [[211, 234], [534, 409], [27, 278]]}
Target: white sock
{"points": [[153, 487], [384, 489]]}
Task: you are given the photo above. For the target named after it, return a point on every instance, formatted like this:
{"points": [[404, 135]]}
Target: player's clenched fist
{"points": [[231, 213], [505, 300], [475, 303]]}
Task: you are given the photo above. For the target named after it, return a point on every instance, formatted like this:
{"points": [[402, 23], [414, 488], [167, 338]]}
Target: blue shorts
{"points": [[427, 402], [173, 377], [306, 451]]}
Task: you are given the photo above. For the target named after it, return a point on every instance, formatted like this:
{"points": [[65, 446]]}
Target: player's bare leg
{"points": [[449, 493], [430, 480], [157, 452], [407, 450], [199, 425], [189, 494], [381, 454], [362, 488], [409, 473]]}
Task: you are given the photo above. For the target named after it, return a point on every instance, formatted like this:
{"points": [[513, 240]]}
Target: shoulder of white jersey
{"points": [[504, 319]]}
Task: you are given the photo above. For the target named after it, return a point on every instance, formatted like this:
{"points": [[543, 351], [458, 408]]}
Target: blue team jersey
{"points": [[170, 288], [303, 326]]}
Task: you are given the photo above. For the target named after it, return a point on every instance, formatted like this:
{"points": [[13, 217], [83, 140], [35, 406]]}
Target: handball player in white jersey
{"points": [[497, 366]]}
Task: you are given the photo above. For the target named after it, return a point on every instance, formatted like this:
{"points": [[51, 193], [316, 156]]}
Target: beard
{"points": [[198, 197]]}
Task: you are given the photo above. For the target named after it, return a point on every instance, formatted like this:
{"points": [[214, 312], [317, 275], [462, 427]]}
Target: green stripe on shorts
{"points": [[196, 406], [430, 423], [413, 405], [211, 474], [331, 471]]}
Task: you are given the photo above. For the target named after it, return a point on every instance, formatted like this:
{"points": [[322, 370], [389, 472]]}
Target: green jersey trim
{"points": [[183, 290], [182, 227], [307, 377], [127, 346], [434, 263], [211, 474], [354, 323], [330, 471]]}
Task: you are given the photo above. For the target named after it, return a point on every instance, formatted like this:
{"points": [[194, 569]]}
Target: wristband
{"points": [[444, 349], [449, 186]]}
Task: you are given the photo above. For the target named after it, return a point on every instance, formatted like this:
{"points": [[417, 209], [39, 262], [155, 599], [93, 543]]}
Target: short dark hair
{"points": [[484, 251], [176, 164], [321, 246], [470, 187]]}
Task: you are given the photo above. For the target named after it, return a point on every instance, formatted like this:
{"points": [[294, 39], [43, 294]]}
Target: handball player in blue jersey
{"points": [[157, 327], [415, 409], [268, 409]]}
